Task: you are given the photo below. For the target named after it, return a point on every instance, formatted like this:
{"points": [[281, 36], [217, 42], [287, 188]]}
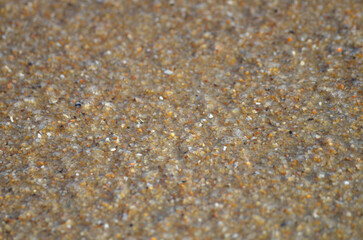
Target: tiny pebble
{"points": [[168, 72]]}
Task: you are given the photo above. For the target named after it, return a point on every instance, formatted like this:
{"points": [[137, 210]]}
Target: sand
{"points": [[181, 119]]}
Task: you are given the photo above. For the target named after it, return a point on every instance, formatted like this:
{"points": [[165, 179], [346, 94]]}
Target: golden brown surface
{"points": [[181, 119]]}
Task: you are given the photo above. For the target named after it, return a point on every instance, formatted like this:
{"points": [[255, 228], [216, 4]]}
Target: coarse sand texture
{"points": [[181, 119]]}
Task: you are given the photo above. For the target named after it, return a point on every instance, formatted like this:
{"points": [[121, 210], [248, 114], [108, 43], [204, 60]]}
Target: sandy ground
{"points": [[181, 119]]}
